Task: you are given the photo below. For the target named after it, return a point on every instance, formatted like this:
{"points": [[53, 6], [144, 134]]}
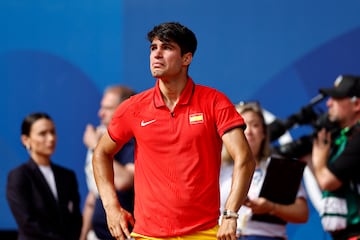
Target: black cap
{"points": [[344, 86]]}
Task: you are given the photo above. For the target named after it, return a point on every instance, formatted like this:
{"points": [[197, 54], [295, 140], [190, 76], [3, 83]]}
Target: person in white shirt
{"points": [[248, 229]]}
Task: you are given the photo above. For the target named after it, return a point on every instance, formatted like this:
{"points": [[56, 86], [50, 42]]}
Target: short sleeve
{"points": [[226, 115], [119, 128]]}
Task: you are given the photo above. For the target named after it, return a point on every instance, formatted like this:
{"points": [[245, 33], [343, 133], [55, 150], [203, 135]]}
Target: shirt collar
{"points": [[184, 97]]}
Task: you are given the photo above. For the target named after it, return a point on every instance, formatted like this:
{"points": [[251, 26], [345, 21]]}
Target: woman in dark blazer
{"points": [[43, 196]]}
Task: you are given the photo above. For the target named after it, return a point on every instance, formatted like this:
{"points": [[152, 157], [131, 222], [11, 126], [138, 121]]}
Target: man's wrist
{"points": [[229, 214]]}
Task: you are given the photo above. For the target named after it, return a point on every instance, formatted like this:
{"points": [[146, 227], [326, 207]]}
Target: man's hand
{"points": [[227, 230], [320, 154], [91, 136], [118, 220], [321, 148]]}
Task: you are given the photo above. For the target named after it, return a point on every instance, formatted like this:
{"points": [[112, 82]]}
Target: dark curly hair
{"points": [[174, 31]]}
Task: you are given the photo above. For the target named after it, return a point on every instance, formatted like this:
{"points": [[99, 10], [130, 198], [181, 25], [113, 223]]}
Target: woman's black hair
{"points": [[29, 121]]}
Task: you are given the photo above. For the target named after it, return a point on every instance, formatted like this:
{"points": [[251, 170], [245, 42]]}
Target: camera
{"points": [[306, 116]]}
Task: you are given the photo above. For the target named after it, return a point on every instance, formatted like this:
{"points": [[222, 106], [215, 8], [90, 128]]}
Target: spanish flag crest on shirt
{"points": [[196, 118]]}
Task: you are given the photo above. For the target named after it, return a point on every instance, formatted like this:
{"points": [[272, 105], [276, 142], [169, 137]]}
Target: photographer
{"points": [[336, 160]]}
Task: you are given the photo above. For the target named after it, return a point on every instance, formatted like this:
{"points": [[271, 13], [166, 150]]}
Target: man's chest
{"points": [[183, 124]]}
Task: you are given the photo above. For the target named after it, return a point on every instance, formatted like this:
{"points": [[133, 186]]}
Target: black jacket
{"points": [[38, 214]]}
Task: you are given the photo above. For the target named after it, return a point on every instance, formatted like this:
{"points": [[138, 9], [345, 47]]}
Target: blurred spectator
{"points": [[250, 229], [43, 196], [94, 219], [336, 160]]}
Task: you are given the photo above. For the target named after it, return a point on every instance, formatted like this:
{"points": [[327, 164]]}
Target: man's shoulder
{"points": [[200, 87], [144, 95], [135, 103], [212, 97], [139, 99], [206, 90], [355, 133]]}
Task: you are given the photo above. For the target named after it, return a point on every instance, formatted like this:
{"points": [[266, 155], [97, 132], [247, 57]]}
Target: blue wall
{"points": [[58, 56]]}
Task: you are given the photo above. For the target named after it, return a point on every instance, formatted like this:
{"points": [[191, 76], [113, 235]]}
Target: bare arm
{"points": [[87, 215], [244, 166], [117, 217], [297, 212]]}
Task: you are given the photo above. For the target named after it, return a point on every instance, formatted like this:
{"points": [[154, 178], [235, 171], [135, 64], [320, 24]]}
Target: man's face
{"points": [[108, 105], [341, 110], [165, 59]]}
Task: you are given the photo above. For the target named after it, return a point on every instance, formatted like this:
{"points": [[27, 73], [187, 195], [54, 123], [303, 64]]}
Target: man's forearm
{"points": [[241, 179], [104, 177]]}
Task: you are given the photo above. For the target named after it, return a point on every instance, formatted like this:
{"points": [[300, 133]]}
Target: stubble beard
{"points": [[157, 73]]}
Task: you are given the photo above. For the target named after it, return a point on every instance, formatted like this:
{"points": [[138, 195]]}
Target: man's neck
{"points": [[351, 123], [171, 91]]}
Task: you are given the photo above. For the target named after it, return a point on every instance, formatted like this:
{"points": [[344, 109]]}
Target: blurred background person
{"points": [[94, 219], [248, 229], [43, 196], [336, 160]]}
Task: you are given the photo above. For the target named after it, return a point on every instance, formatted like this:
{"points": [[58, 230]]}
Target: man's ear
{"points": [[356, 102], [187, 58]]}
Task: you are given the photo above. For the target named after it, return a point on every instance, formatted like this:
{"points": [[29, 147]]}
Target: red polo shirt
{"points": [[177, 157]]}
